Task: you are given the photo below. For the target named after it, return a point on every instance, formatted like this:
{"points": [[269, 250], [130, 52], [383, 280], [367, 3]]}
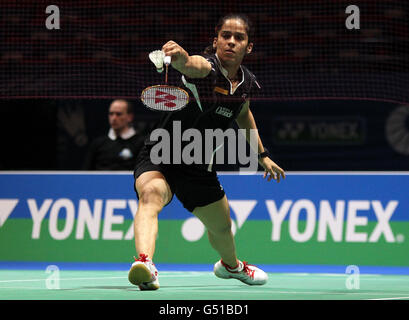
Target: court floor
{"points": [[197, 285]]}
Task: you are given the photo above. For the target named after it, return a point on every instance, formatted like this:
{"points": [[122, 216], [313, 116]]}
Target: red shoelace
{"points": [[247, 270], [142, 257]]}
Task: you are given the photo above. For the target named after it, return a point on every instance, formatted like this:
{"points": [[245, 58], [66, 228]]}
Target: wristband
{"points": [[264, 154]]}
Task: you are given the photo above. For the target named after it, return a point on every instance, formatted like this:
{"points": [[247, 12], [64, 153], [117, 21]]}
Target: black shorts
{"points": [[193, 186]]}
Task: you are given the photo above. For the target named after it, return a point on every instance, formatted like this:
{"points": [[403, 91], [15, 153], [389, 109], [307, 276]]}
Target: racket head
{"points": [[164, 98]]}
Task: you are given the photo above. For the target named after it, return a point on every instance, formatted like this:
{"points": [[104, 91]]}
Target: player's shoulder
{"points": [[250, 79], [211, 57], [248, 75]]}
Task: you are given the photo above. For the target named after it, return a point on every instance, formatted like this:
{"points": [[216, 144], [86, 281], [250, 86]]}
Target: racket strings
{"points": [[165, 98]]}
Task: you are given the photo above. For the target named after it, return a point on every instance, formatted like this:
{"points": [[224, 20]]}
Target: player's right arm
{"points": [[191, 66]]}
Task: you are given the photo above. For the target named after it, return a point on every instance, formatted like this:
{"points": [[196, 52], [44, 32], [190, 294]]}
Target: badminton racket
{"points": [[164, 97]]}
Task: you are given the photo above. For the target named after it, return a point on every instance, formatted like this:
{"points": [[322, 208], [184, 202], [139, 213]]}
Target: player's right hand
{"points": [[178, 54]]}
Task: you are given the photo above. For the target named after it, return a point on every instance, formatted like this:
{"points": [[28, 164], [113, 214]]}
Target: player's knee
{"points": [[152, 195]]}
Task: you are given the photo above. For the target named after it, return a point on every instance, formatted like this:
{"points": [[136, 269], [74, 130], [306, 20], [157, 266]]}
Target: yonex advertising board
{"points": [[308, 218]]}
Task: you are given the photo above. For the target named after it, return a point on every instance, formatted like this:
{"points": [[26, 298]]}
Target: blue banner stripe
{"points": [[364, 195]]}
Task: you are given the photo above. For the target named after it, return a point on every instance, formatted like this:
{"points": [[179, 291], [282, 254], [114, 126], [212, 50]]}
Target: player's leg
{"points": [[154, 193], [216, 218]]}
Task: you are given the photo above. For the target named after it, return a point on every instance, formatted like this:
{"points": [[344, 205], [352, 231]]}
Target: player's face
{"points": [[118, 116], [231, 43]]}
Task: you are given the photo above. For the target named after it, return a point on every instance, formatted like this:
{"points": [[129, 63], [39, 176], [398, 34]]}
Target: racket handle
{"points": [[167, 61]]}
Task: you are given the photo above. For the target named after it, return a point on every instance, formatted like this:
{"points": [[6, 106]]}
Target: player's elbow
{"points": [[197, 67]]}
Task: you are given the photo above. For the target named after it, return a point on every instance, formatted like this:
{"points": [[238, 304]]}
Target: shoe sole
{"points": [[150, 286], [249, 284], [139, 274]]}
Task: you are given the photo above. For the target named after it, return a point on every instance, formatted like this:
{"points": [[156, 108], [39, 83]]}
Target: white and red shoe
{"points": [[244, 272], [144, 274]]}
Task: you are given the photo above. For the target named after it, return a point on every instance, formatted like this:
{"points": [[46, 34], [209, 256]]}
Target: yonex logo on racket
{"points": [[164, 98], [161, 96]]}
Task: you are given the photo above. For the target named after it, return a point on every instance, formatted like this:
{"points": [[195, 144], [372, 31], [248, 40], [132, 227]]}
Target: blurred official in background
{"points": [[118, 149]]}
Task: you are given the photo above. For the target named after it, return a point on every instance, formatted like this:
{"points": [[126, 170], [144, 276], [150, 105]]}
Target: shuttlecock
{"points": [[157, 58], [167, 60]]}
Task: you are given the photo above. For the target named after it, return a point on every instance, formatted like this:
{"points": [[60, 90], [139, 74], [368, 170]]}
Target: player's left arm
{"points": [[245, 120]]}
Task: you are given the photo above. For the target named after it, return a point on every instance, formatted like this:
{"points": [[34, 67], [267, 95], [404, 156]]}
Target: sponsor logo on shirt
{"points": [[224, 112]]}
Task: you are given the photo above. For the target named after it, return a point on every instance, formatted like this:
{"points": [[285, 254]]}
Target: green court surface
{"points": [[114, 285]]}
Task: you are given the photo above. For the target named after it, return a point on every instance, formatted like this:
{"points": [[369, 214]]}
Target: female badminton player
{"points": [[215, 79]]}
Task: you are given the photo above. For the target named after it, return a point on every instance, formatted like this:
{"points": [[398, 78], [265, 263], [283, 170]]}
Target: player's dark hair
{"points": [[248, 25]]}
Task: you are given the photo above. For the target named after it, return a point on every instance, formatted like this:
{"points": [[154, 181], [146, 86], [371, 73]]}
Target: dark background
{"points": [[332, 98]]}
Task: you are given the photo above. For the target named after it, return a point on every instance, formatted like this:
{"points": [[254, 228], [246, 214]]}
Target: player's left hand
{"points": [[271, 168]]}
